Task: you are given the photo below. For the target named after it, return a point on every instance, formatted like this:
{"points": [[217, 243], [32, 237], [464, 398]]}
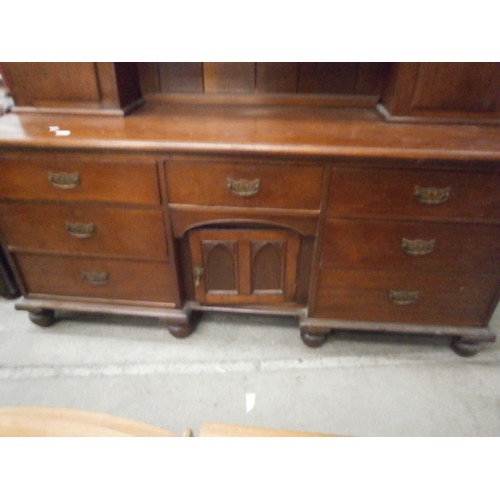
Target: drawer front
{"points": [[68, 178], [98, 278], [435, 299], [412, 246], [411, 193], [84, 230], [244, 185]]}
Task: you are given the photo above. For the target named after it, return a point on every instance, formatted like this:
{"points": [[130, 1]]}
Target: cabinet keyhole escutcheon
{"points": [[198, 275]]}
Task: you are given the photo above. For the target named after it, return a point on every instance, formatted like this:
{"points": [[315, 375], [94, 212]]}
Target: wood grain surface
{"points": [[296, 130]]}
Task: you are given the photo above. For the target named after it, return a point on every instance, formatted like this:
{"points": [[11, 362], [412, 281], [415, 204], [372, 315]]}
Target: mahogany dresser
{"points": [[354, 196]]}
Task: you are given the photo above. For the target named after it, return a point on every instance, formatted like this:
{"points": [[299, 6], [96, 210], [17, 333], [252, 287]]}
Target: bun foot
{"points": [[45, 317], [316, 339], [464, 347], [180, 331]]}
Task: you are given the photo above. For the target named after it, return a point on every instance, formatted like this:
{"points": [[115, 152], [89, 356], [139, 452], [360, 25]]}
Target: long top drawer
{"points": [[62, 177]]}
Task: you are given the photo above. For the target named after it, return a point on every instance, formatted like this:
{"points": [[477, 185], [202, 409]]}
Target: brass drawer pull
{"points": [[431, 195], [95, 278], [64, 180], [243, 187], [417, 247], [403, 297], [79, 230]]}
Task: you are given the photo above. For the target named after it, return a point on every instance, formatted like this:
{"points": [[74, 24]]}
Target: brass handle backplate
{"points": [[64, 180], [79, 230], [95, 278], [243, 187], [198, 274], [403, 297], [417, 247], [431, 195]]}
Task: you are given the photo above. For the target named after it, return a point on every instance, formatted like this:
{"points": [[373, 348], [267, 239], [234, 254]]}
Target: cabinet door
{"points": [[244, 266]]}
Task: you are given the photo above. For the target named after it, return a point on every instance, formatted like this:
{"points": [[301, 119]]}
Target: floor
{"points": [[251, 371]]}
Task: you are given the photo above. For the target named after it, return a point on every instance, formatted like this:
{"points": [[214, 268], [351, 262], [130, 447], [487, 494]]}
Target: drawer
{"points": [[78, 178], [84, 229], [412, 246], [435, 299], [414, 193], [240, 184], [98, 278]]}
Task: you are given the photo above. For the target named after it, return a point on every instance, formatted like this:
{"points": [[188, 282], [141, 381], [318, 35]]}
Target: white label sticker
{"points": [[63, 132], [250, 400]]}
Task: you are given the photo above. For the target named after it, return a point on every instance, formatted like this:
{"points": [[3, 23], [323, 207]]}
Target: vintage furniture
{"points": [[272, 188]]}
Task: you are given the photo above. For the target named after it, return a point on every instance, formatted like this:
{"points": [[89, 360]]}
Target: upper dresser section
{"points": [[301, 109], [443, 92]]}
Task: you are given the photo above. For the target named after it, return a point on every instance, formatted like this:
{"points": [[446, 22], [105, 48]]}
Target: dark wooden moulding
{"points": [[354, 196]]}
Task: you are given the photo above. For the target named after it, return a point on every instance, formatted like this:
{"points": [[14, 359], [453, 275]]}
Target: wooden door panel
{"points": [[267, 266], [220, 262], [215, 260], [181, 77], [457, 86], [229, 77], [244, 266]]}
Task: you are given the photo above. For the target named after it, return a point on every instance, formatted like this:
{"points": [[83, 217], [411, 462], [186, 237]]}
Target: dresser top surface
{"points": [[271, 130]]}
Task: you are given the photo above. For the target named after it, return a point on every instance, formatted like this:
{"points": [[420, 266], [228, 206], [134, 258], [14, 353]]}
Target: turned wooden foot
{"points": [[314, 338], [180, 331], [45, 317], [465, 347]]}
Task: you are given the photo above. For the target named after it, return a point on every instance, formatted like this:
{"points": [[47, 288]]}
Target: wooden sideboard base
{"points": [[41, 313], [465, 340]]}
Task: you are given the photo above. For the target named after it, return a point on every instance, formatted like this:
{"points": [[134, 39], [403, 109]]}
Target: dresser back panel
{"points": [[264, 78]]}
